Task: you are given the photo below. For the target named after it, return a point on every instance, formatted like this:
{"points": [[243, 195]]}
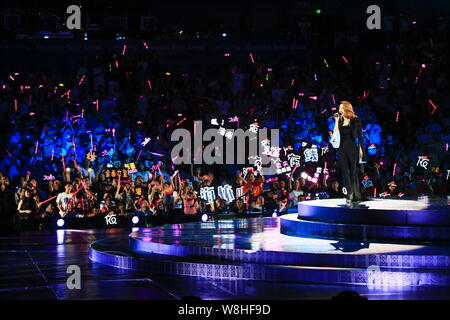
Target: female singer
{"points": [[347, 130]]}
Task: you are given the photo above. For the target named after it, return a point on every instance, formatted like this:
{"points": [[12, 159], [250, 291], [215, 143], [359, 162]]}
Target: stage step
{"points": [[291, 225], [113, 252]]}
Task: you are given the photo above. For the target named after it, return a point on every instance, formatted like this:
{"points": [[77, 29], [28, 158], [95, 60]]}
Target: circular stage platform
{"points": [[378, 212], [255, 249], [374, 220]]}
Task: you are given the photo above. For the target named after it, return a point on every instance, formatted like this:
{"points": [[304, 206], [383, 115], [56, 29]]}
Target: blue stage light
{"points": [[204, 217], [60, 222], [135, 220]]}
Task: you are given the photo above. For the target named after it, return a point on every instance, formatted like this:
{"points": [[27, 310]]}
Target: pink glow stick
{"points": [[82, 79], [63, 163], [157, 154], [182, 120]]}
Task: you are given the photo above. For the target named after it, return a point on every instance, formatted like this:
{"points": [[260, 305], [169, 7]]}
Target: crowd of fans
{"points": [[65, 134]]}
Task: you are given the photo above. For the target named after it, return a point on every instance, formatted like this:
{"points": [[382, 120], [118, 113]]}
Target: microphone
{"points": [[336, 115]]}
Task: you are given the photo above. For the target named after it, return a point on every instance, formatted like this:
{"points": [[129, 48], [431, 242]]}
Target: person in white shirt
{"points": [[63, 200]]}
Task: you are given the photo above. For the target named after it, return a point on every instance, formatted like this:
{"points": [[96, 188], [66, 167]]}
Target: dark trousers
{"points": [[348, 160]]}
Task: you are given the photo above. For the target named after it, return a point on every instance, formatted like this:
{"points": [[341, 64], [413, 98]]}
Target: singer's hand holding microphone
{"points": [[335, 116]]}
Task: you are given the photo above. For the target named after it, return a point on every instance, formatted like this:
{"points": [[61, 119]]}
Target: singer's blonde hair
{"points": [[348, 109]]}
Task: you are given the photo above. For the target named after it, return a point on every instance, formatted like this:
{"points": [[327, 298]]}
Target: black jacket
{"points": [[356, 130]]}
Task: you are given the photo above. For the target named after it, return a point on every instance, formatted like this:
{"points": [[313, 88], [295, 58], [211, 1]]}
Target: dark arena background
{"points": [[95, 204]]}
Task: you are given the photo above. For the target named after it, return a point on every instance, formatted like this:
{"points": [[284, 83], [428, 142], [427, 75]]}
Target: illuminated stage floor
{"points": [[254, 249]]}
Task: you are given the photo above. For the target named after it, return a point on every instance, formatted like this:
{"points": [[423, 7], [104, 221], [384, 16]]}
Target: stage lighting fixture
{"points": [[204, 217], [135, 220], [318, 11], [224, 34], [60, 222]]}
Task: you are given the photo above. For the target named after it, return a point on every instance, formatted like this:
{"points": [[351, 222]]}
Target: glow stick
{"points": [[292, 82], [418, 75], [395, 167], [332, 96], [92, 142], [49, 199], [346, 61], [82, 79], [326, 63], [182, 120], [63, 162], [74, 148], [396, 117], [36, 148], [159, 170], [15, 105], [432, 104], [124, 49], [313, 97], [53, 153], [157, 154], [12, 78], [145, 45], [117, 64], [138, 156], [174, 174], [149, 84], [96, 104], [294, 103], [251, 57], [66, 93], [375, 192]]}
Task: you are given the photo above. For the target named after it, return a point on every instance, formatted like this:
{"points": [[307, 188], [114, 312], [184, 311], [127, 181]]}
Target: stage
{"points": [[282, 249]]}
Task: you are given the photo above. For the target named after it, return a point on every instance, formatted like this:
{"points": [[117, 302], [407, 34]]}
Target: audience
{"points": [[103, 131]]}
